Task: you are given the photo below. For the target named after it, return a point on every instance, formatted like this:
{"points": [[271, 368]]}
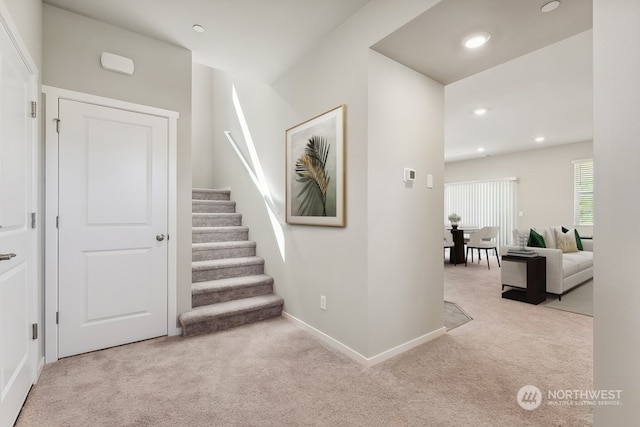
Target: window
{"points": [[583, 192], [484, 203]]}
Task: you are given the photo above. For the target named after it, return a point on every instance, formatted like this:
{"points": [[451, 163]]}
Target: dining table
{"points": [[458, 254]]}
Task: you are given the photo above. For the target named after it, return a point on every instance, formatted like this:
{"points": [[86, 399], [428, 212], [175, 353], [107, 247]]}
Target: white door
{"points": [[17, 350], [112, 227]]}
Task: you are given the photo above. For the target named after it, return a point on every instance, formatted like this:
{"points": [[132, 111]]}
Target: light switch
{"points": [[429, 181]]}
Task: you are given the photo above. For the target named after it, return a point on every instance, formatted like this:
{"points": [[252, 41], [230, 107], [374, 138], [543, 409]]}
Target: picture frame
{"points": [[315, 176]]}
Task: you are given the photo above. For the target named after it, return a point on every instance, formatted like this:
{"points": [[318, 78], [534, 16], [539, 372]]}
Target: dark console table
{"points": [[536, 290]]}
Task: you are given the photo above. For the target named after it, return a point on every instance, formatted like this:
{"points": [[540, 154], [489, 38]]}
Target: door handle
{"points": [[6, 257], [159, 237]]}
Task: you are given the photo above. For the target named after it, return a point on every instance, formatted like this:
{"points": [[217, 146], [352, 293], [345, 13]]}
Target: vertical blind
{"points": [[583, 192], [484, 204]]}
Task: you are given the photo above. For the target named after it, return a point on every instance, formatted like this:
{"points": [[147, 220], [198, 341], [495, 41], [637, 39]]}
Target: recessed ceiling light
{"points": [[548, 7], [539, 139], [198, 28], [475, 40], [480, 111], [480, 149]]}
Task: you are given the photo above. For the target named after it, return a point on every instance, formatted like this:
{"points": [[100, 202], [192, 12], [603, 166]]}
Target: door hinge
{"points": [[57, 222], [57, 125], [57, 317], [33, 220], [34, 331], [34, 109]]}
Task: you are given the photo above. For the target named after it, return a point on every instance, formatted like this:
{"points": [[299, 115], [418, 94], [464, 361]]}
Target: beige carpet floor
{"points": [[578, 300], [275, 374]]}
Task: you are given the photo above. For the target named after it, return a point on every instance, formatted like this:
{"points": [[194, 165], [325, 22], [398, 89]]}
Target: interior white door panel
{"points": [[112, 203]]}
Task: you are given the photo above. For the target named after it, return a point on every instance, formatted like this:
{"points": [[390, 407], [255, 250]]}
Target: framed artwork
{"points": [[315, 170]]}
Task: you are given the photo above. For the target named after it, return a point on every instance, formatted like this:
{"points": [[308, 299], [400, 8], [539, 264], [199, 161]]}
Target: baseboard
{"points": [[359, 358], [392, 352], [175, 332], [331, 342], [40, 367]]}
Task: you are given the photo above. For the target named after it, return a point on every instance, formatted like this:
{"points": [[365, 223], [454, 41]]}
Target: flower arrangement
{"points": [[455, 219]]}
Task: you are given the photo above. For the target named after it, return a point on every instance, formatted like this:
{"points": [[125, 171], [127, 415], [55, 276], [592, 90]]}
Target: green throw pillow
{"points": [[535, 240], [578, 241]]}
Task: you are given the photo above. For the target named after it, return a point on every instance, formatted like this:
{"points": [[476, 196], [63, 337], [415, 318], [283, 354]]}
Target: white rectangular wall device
{"points": [[409, 175], [117, 63]]}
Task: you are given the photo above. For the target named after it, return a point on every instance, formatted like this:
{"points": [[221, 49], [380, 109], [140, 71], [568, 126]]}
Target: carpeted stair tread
{"points": [[231, 307], [225, 315], [214, 214], [223, 290], [226, 249], [226, 263], [221, 229], [219, 234], [217, 219], [210, 194], [223, 245], [223, 268], [213, 206], [230, 283]]}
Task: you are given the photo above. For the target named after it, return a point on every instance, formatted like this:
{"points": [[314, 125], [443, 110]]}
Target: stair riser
{"points": [[231, 294], [219, 236], [225, 220], [227, 272], [210, 195], [207, 254], [219, 207], [227, 322]]}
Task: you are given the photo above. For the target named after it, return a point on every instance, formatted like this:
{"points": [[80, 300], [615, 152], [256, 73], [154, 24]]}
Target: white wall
{"points": [[338, 72], [405, 270], [617, 251], [545, 181], [162, 78], [202, 126], [322, 260], [27, 16]]}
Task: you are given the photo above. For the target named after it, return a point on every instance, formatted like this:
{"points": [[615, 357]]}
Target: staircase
{"points": [[229, 287]]}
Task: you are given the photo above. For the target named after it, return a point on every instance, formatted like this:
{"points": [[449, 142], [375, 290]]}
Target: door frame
{"points": [[52, 95]]}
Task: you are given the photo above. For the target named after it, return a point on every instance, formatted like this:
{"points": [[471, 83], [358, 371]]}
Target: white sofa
{"points": [[565, 270]]}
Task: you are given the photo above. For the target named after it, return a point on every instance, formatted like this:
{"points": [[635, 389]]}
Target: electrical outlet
{"points": [[323, 302]]}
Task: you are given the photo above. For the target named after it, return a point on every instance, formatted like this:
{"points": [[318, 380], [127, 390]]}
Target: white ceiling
{"points": [[257, 39], [545, 93], [535, 74]]}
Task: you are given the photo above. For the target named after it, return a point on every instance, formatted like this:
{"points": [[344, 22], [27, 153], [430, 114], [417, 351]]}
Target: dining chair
{"points": [[448, 242], [469, 229], [486, 238]]}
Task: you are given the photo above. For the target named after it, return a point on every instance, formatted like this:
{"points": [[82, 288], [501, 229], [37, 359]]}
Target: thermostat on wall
{"points": [[409, 175]]}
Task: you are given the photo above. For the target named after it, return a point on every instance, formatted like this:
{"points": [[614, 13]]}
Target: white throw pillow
{"points": [[548, 234], [566, 242]]}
